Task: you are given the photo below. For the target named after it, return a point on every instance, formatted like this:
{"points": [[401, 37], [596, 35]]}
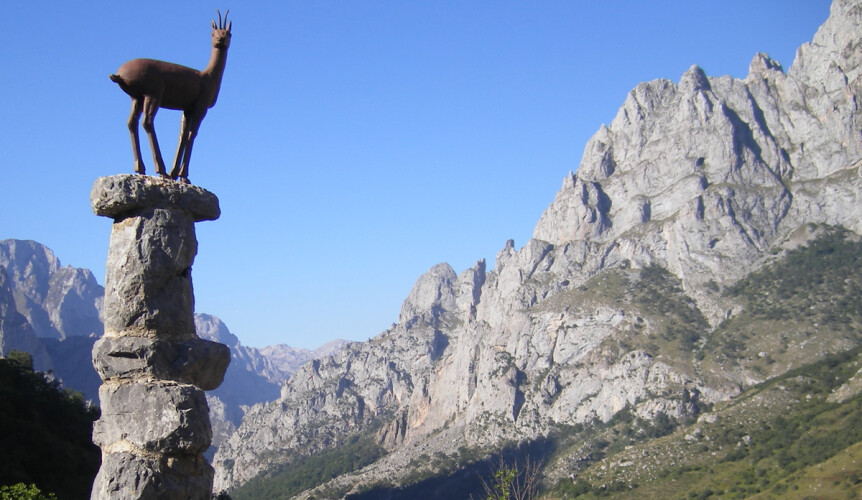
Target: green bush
{"points": [[21, 491]]}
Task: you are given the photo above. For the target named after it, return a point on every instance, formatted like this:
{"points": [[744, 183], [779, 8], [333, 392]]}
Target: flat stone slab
{"points": [[199, 362], [119, 196]]}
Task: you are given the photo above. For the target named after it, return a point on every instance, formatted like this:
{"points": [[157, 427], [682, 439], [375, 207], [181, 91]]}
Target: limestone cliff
{"points": [[691, 187], [58, 301], [16, 333]]}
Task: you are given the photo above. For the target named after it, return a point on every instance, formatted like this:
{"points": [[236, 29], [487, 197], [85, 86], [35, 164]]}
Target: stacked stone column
{"points": [[155, 422]]}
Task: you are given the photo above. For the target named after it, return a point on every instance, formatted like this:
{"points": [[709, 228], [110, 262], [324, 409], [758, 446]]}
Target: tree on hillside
{"points": [[21, 491], [511, 482]]}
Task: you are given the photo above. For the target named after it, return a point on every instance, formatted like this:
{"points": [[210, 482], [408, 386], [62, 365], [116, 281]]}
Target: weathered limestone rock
{"points": [[155, 417], [155, 420], [128, 475], [198, 362], [148, 285]]}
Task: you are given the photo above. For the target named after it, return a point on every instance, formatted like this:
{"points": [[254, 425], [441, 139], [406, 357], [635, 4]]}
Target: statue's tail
{"points": [[122, 83]]}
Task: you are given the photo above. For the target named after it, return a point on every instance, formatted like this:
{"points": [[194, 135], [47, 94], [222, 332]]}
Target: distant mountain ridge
{"points": [[621, 301], [52, 312]]}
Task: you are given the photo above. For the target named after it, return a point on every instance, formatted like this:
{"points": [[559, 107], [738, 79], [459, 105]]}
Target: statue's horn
{"points": [[220, 25]]}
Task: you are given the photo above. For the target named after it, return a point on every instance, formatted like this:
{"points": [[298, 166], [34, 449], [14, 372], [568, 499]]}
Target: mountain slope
{"points": [[58, 301], [16, 333], [616, 303]]}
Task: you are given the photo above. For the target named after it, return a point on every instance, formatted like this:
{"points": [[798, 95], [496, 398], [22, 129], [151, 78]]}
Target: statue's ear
{"points": [[214, 26], [228, 26]]}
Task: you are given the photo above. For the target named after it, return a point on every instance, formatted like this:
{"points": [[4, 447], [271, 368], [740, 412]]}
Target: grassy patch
{"points": [[796, 309], [780, 439]]}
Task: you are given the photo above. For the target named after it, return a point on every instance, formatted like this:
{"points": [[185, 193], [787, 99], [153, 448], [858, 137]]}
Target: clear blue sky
{"points": [[355, 144]]}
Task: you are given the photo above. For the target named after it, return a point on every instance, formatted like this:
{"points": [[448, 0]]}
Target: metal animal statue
{"points": [[157, 84]]}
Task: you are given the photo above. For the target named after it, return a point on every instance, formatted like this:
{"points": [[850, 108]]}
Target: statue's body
{"points": [[157, 84]]}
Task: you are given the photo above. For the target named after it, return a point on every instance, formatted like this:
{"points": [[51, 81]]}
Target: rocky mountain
{"points": [[254, 375], [290, 359], [58, 301], [250, 379], [16, 333], [52, 312], [623, 300]]}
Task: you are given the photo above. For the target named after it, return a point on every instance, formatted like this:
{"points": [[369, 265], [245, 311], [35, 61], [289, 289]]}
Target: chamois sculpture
{"points": [[157, 84]]}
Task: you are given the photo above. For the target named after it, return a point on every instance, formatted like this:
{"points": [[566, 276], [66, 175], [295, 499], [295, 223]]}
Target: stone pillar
{"points": [[155, 422]]}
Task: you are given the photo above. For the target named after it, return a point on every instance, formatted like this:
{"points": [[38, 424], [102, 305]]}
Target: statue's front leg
{"points": [[192, 125], [182, 143]]}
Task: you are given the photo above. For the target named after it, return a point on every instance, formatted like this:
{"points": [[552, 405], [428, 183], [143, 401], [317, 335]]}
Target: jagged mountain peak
{"points": [[709, 157], [213, 328], [27, 264]]}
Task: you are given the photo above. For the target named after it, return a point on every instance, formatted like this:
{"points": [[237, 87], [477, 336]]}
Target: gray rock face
{"points": [[16, 334], [148, 281], [57, 301], [154, 417], [706, 173], [700, 177], [129, 475], [57, 306], [155, 422]]}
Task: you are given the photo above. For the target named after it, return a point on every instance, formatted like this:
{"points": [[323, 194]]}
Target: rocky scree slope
{"points": [[691, 187]]}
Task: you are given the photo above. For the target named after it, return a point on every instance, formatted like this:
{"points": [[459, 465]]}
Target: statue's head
{"points": [[221, 32]]}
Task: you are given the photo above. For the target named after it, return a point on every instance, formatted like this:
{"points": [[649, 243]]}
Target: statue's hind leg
{"points": [[151, 106], [134, 118]]}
